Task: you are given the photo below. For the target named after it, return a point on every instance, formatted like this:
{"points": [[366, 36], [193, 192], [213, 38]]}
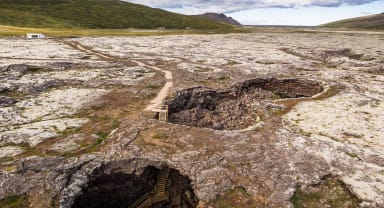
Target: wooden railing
{"points": [[159, 194], [143, 200], [163, 112]]}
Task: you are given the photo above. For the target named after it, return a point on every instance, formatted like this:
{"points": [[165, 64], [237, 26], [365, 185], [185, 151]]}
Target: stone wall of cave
{"points": [[236, 107], [120, 190]]}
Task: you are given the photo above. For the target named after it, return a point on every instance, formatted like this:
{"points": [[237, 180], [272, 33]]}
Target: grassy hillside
{"points": [[6, 31], [94, 14], [372, 22]]}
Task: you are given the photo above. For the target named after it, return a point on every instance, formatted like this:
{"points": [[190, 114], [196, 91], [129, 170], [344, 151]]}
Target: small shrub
{"points": [[223, 78], [151, 86], [160, 136], [68, 131], [99, 141], [115, 123], [33, 68], [102, 134]]}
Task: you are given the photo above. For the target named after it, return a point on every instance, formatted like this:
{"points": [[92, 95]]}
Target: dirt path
{"points": [[159, 99]]}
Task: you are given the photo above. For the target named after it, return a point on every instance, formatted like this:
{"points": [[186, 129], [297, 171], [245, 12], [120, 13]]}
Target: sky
{"points": [[274, 12]]}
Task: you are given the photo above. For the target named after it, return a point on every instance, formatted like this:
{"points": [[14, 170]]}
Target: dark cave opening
{"points": [[236, 107], [156, 188]]}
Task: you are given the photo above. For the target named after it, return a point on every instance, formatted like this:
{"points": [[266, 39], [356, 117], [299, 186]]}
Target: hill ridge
{"points": [[374, 22], [220, 17], [95, 14]]}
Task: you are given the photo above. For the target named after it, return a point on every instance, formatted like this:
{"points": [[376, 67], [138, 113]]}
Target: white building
{"points": [[35, 35]]}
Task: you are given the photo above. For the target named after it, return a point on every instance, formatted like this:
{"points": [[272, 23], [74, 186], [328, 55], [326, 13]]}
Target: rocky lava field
{"points": [[277, 119]]}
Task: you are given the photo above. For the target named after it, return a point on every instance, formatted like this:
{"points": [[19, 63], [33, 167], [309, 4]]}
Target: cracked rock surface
{"points": [[73, 116]]}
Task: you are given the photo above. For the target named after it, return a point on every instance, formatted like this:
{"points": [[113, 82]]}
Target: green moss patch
{"points": [[14, 201], [331, 193], [160, 136], [236, 198]]}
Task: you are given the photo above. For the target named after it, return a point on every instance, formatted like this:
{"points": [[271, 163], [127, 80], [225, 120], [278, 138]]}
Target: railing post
{"points": [[166, 113], [163, 112]]}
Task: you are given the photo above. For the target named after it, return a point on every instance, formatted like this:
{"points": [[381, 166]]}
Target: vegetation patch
{"points": [[101, 137], [372, 22], [152, 86], [72, 32], [330, 193], [14, 201], [232, 62], [33, 69], [70, 131], [12, 93], [95, 14], [224, 78], [160, 136], [237, 197], [115, 123]]}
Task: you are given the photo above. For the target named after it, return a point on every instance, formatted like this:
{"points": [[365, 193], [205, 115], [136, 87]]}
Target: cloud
{"points": [[227, 6]]}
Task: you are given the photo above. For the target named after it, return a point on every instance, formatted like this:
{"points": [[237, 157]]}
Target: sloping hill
{"points": [[367, 22], [95, 14], [220, 18]]}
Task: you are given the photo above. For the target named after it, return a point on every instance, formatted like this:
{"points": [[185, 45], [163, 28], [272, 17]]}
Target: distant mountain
{"points": [[95, 14], [375, 22], [220, 18]]}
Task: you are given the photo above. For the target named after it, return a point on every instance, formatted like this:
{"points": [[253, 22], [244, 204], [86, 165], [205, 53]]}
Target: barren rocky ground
{"points": [[255, 120]]}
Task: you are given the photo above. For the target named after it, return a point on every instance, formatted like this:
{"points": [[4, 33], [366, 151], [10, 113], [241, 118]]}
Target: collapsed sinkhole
{"points": [[236, 107], [156, 188]]}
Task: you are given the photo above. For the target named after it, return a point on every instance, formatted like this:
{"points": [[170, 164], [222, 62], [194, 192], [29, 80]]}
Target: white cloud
{"points": [[201, 6]]}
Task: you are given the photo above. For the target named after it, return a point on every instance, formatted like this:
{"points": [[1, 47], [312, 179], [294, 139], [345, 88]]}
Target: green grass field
{"points": [[6, 31], [372, 22], [107, 14]]}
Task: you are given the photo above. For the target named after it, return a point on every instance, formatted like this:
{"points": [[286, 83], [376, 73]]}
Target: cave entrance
{"points": [[154, 188], [236, 107]]}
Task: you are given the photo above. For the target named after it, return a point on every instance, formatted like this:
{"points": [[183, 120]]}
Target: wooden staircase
{"points": [[161, 184], [143, 201], [159, 194], [163, 112]]}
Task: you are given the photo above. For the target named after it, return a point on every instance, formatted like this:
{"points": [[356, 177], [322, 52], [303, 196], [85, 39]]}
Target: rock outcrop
{"points": [[237, 107], [221, 18]]}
